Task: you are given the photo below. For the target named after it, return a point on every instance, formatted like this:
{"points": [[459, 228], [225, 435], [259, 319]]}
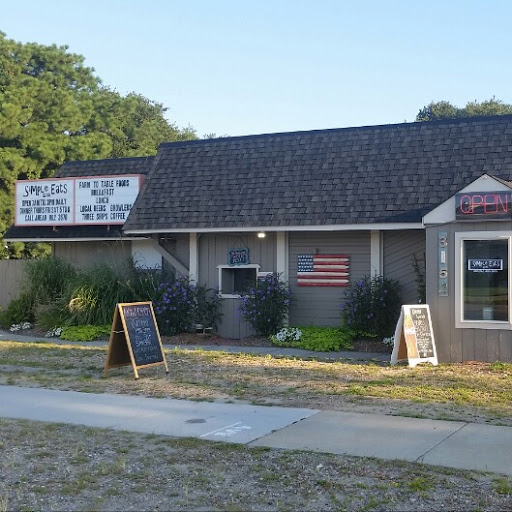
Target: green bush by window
{"points": [[372, 306]]}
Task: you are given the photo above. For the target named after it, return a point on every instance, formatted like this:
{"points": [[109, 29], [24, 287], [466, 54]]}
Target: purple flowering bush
{"points": [[266, 305], [180, 304], [372, 306]]}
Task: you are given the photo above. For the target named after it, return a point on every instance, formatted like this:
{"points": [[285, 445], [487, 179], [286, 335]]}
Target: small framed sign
{"points": [[485, 265], [238, 256], [135, 339]]}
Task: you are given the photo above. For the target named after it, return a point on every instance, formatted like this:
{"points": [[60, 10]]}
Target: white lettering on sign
{"points": [[84, 200], [44, 202], [105, 200]]}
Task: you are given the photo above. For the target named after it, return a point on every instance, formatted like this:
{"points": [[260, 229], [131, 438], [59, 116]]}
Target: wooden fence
{"points": [[11, 272]]}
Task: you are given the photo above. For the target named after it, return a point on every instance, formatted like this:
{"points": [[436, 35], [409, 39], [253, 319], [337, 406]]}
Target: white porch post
{"points": [[193, 259], [282, 256], [375, 253]]}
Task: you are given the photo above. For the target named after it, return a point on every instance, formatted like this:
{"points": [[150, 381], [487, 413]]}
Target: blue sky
{"points": [[236, 67]]}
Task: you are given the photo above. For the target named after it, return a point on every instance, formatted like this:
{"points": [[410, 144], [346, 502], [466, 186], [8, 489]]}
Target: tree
{"points": [[54, 109], [445, 110]]}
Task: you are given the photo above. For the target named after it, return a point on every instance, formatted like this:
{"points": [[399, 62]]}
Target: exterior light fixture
{"points": [[262, 234]]}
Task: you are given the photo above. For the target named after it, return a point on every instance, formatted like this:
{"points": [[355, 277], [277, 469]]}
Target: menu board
{"points": [[105, 200], [134, 338], [420, 319], [44, 202], [414, 337], [85, 200], [142, 333]]}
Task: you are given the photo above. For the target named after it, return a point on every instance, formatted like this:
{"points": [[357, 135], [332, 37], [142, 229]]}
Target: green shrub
{"points": [[44, 282], [320, 339], [19, 310], [208, 307], [181, 304], [96, 291], [49, 316], [84, 332], [46, 279], [266, 306], [372, 306]]}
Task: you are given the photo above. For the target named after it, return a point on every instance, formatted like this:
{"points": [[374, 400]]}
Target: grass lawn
{"points": [[479, 392], [63, 467]]}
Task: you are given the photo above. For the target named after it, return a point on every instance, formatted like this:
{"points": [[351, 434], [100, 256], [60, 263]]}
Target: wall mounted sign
{"points": [[44, 202], [414, 337], [134, 338], [322, 270], [485, 265], [483, 205], [238, 257], [71, 201]]}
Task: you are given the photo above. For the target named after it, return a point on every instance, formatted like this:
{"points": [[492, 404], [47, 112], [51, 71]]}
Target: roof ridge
{"points": [[118, 159], [455, 120]]}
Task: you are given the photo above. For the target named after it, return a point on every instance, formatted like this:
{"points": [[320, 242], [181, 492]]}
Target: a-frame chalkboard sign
{"points": [[414, 337], [134, 338]]}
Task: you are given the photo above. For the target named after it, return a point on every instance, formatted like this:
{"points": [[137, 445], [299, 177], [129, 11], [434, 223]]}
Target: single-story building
{"points": [[366, 200]]}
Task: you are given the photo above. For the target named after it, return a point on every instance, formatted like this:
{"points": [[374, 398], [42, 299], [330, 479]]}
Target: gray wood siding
{"points": [[213, 251], [322, 305], [11, 277], [233, 325], [177, 246], [457, 345], [399, 249], [85, 254]]}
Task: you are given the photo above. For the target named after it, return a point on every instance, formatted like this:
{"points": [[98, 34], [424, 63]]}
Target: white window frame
{"points": [[460, 238], [234, 267]]}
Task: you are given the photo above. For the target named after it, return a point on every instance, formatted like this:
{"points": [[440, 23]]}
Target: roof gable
{"points": [[445, 212]]}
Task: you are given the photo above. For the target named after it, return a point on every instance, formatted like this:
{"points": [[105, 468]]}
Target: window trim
{"points": [[232, 267], [460, 238]]}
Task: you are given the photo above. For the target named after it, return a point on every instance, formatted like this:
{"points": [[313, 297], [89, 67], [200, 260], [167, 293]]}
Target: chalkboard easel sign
{"points": [[414, 337], [134, 338]]}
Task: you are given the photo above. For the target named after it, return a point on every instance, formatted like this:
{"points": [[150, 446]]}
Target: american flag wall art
{"points": [[322, 270]]}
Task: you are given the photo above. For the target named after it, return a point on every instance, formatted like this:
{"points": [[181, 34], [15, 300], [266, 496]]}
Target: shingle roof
{"points": [[374, 174], [137, 165], [46, 233]]}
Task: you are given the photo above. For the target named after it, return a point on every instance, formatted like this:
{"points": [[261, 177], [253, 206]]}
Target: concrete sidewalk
{"points": [[445, 443], [346, 355]]}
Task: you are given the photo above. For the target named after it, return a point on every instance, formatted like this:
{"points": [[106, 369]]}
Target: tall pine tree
{"points": [[54, 109]]}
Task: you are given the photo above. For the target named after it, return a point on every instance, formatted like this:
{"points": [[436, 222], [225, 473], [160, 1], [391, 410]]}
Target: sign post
{"points": [[134, 338], [414, 337]]}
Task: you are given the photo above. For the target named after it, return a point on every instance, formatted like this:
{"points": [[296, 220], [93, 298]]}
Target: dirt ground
{"points": [[53, 467]]}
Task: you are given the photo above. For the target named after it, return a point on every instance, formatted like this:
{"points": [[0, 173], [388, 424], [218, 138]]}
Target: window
{"points": [[235, 281], [483, 280]]}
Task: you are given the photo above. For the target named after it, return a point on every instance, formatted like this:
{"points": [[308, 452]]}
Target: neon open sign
{"points": [[489, 205]]}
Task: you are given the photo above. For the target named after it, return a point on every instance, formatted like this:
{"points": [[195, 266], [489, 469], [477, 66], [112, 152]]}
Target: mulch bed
{"points": [[257, 341], [188, 338]]}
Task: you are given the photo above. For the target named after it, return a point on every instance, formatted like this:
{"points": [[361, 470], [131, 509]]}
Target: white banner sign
{"points": [[83, 200], [104, 200], [44, 202]]}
